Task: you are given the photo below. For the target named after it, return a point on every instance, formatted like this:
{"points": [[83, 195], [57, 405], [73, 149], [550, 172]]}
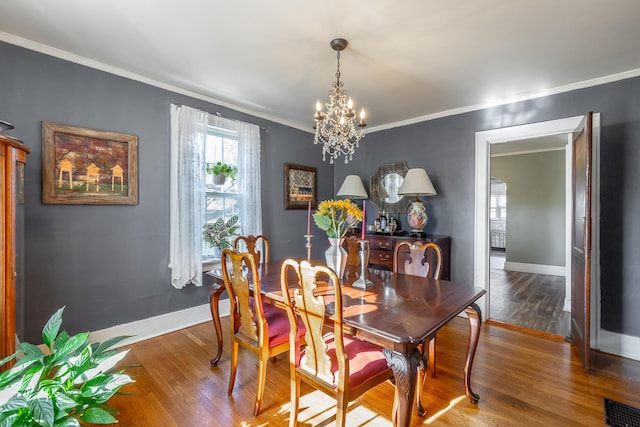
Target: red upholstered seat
{"points": [[365, 360]]}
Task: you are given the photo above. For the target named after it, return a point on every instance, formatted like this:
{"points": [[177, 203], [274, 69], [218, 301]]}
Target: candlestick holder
{"points": [[363, 259], [308, 246]]}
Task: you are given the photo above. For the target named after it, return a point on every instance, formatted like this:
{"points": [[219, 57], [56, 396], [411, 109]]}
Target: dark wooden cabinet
{"points": [[13, 156], [382, 245]]}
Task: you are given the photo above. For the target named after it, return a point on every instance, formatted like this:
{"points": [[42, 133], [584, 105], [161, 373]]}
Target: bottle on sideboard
{"points": [[376, 223], [383, 222]]}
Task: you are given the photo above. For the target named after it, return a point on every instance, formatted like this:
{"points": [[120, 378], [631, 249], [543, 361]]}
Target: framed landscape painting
{"points": [[300, 186], [88, 167]]}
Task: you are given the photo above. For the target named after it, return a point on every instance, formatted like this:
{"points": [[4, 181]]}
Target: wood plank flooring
{"points": [[527, 300], [522, 380]]}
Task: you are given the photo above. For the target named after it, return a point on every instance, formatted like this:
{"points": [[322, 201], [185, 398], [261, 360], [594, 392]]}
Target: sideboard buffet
{"points": [[382, 244]]}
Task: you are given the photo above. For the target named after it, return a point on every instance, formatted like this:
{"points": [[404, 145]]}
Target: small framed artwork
{"points": [[300, 186], [88, 167]]}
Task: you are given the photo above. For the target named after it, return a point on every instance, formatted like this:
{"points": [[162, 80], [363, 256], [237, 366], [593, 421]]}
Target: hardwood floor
{"points": [[527, 300], [523, 380]]}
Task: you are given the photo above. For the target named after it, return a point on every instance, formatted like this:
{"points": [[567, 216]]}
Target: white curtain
{"points": [[249, 177], [249, 200], [187, 187], [187, 200]]}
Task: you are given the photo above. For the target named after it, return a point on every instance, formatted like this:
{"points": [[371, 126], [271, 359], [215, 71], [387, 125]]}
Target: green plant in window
{"points": [[218, 168], [218, 234], [68, 385]]}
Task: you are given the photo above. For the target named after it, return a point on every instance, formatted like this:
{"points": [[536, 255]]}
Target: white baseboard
{"points": [[159, 325], [621, 345], [553, 270], [567, 305]]}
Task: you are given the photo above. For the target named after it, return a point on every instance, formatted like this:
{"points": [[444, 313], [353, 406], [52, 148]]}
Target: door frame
{"points": [[484, 139]]}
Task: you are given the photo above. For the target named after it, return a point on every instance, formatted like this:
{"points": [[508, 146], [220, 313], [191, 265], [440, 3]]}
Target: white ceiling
{"points": [[407, 61]]}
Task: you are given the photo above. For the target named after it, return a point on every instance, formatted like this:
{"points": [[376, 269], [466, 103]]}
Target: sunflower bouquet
{"points": [[337, 217]]}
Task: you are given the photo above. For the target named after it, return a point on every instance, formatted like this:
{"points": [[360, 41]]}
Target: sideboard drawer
{"points": [[381, 243], [381, 257]]}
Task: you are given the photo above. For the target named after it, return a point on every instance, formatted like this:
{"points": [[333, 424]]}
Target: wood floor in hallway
{"points": [[527, 300]]}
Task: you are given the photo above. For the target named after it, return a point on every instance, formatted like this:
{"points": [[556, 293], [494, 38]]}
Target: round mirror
{"points": [[389, 187], [384, 187]]}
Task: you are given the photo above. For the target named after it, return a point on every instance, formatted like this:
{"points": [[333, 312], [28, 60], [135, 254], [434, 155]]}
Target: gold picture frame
{"points": [[88, 167], [300, 186]]}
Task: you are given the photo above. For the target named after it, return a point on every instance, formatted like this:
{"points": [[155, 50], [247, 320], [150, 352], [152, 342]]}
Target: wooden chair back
{"points": [[424, 260], [418, 259], [253, 245], [325, 350], [250, 320]]}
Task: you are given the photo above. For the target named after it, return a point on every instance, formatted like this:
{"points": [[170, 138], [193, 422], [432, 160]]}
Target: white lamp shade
{"points": [[353, 188], [417, 183]]}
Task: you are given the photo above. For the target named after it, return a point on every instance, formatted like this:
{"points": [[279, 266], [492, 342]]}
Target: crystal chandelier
{"points": [[336, 127]]}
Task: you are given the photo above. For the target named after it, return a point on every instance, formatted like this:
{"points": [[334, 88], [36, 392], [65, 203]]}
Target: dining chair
{"points": [[252, 244], [424, 260], [263, 332], [333, 362]]}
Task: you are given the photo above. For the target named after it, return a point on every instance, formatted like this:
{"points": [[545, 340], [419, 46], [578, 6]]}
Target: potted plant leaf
{"points": [[68, 385], [221, 171], [219, 233]]}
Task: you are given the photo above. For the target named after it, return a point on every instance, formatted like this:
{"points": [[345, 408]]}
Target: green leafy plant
{"points": [[218, 234], [69, 386], [218, 168]]}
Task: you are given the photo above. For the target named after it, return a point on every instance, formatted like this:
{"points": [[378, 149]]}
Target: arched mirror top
{"points": [[384, 187]]}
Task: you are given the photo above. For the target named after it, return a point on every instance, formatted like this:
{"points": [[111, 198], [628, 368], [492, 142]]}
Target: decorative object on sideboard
{"points": [[336, 126], [417, 183], [384, 187], [300, 186]]}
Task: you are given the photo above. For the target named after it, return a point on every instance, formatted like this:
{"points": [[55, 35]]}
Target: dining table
{"points": [[397, 312]]}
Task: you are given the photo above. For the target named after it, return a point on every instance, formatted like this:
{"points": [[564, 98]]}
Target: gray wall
{"points": [[108, 264], [446, 148], [535, 206]]}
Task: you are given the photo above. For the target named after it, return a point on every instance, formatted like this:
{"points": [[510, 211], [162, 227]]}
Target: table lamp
{"points": [[352, 188], [417, 183]]}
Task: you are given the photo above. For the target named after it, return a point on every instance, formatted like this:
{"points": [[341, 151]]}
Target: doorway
{"points": [[485, 140], [527, 231]]}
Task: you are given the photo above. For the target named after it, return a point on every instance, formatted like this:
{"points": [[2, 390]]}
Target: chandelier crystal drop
{"points": [[337, 126]]}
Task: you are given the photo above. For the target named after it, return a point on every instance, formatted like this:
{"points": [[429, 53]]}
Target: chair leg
{"points": [[263, 359], [234, 365], [341, 410], [295, 400]]}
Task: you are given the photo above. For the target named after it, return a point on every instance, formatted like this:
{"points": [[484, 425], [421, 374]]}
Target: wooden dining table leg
{"points": [[405, 372], [475, 320], [214, 299]]}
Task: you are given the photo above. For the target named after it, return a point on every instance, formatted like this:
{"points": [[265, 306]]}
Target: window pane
{"points": [[221, 200]]}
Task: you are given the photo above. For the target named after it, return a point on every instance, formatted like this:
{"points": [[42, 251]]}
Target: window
{"points": [[498, 208], [197, 138], [221, 201]]}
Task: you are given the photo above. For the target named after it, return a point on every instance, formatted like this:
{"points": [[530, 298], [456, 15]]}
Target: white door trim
{"points": [[484, 139]]}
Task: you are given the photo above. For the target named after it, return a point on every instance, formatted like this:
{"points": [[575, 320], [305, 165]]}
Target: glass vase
{"points": [[336, 256]]}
